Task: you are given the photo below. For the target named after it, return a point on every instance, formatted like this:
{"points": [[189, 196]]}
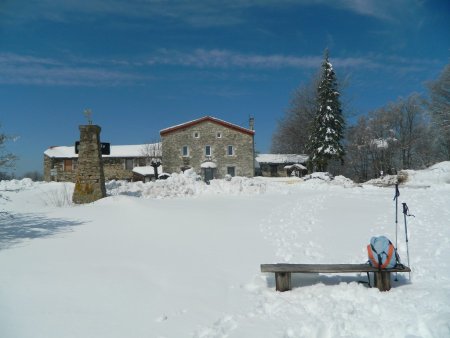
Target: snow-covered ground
{"points": [[179, 258]]}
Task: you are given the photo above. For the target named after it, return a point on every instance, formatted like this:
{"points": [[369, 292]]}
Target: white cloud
{"points": [[196, 13], [216, 58], [75, 71], [30, 70], [394, 11], [204, 13], [373, 8]]}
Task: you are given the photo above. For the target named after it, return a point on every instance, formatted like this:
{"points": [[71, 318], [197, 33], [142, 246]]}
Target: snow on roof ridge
{"points": [[281, 158], [205, 118], [146, 170], [128, 150]]}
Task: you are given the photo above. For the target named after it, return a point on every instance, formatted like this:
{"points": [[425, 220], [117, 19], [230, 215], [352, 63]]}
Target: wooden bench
{"points": [[283, 272]]}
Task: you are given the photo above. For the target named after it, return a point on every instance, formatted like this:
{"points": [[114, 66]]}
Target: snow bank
{"points": [[326, 180], [185, 184], [17, 185], [343, 181], [384, 181], [437, 174], [324, 176], [434, 176]]}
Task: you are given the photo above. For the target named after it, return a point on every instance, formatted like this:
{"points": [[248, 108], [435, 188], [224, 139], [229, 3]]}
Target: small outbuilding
{"points": [[282, 165], [146, 173]]}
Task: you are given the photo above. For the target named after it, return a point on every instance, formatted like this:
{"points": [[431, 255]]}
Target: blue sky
{"points": [[145, 65]]}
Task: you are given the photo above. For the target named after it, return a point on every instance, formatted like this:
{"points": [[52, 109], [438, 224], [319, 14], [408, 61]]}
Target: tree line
{"points": [[410, 133]]}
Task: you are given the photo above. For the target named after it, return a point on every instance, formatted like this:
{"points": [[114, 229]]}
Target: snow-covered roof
{"points": [[147, 170], [61, 152], [295, 166], [137, 150], [281, 158]]}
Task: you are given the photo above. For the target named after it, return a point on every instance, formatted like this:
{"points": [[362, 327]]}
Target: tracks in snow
{"points": [[286, 224]]}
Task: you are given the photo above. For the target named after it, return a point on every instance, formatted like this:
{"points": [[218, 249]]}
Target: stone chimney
{"points": [[251, 123], [90, 179]]}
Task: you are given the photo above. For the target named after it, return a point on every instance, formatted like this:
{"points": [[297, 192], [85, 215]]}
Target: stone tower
{"points": [[90, 181]]}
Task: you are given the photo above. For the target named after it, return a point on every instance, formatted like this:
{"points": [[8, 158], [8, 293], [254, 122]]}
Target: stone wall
{"points": [[266, 170], [48, 164], [61, 174], [113, 167], [197, 137]]}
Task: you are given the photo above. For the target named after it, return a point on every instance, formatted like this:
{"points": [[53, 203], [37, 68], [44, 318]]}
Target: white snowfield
{"points": [[179, 258]]}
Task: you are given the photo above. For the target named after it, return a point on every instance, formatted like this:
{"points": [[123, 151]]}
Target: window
{"points": [[231, 171], [185, 151], [219, 135], [196, 134], [68, 165], [129, 164], [230, 150], [208, 151]]}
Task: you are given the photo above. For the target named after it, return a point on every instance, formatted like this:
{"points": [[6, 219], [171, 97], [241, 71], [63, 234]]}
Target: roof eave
{"points": [[203, 119]]}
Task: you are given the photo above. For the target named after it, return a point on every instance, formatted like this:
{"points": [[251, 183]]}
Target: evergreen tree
{"points": [[328, 126]]}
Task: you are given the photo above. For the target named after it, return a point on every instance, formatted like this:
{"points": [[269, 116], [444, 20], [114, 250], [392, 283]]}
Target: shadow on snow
{"points": [[309, 279], [14, 228]]}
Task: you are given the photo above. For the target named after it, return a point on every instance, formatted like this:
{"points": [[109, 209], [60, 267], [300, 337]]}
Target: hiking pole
{"points": [[406, 213], [397, 193]]}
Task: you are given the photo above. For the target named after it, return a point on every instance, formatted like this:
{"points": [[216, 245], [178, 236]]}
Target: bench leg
{"points": [[383, 280], [283, 281]]}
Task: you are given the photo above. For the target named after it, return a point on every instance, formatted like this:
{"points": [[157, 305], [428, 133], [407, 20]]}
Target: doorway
{"points": [[209, 174]]}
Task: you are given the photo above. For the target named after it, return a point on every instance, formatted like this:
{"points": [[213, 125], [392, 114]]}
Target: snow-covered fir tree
{"points": [[328, 125]]}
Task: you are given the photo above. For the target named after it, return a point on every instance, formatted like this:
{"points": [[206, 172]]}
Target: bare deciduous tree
{"points": [[390, 138], [7, 159], [293, 129], [409, 125], [151, 151], [439, 106]]}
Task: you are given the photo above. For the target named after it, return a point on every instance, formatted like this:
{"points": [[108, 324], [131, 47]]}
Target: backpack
{"points": [[382, 253]]}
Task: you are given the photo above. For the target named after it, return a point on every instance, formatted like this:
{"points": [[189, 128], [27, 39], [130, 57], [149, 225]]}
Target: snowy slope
{"points": [[179, 258]]}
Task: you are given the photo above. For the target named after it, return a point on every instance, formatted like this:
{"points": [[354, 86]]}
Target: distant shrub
{"points": [[34, 175], [58, 197], [402, 177]]}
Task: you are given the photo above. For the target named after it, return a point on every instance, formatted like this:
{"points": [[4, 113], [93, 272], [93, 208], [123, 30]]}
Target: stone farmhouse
{"points": [[282, 165], [60, 163], [212, 147]]}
